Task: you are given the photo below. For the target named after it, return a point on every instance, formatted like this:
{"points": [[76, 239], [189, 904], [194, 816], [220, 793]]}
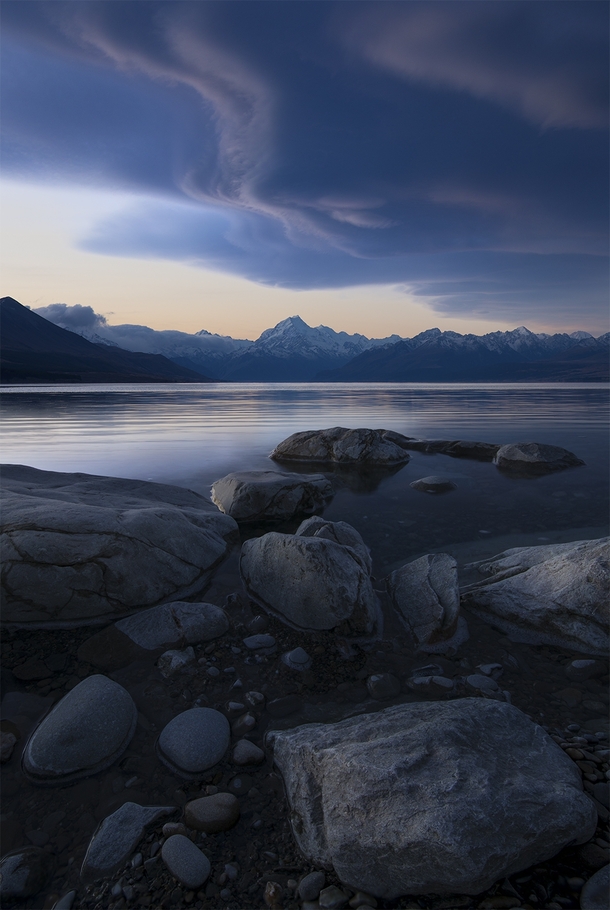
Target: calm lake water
{"points": [[191, 435]]}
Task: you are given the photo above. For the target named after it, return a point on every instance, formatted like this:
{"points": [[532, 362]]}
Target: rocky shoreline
{"points": [[157, 762]]}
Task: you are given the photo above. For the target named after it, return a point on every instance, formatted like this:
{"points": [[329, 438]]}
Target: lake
{"points": [[191, 435]]}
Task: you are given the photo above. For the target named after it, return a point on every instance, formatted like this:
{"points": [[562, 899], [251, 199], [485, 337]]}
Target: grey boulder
{"points": [[310, 583], [117, 836], [79, 548], [339, 445], [534, 458], [176, 623], [426, 597], [442, 797], [194, 741], [268, 495], [556, 594], [87, 731], [340, 532]]}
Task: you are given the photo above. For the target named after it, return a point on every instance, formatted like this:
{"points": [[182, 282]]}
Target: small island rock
{"points": [[534, 458], [339, 445], [433, 484]]}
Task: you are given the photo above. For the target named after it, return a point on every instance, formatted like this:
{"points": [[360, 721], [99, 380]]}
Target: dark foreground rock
{"points": [[342, 446], [175, 623], [534, 458], [24, 872], [116, 837], [79, 548], [445, 797], [88, 730], [311, 582], [270, 496], [555, 594]]}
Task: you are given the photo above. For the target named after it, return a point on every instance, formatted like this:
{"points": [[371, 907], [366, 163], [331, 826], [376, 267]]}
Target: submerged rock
{"points": [[534, 458], [344, 446], [268, 495], [84, 733], [556, 594], [310, 582], [442, 797], [433, 484], [174, 624], [426, 596], [78, 547]]}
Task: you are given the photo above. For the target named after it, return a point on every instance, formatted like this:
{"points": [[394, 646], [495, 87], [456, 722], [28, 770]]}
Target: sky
{"points": [[377, 167]]}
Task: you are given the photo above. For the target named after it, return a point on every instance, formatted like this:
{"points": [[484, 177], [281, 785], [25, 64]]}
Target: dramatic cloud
{"points": [[71, 317], [458, 148]]}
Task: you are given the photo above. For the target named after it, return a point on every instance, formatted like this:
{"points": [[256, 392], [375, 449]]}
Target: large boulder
{"points": [[426, 597], [534, 458], [556, 594], [78, 548], [311, 582], [342, 446], [339, 531], [441, 797], [269, 495]]}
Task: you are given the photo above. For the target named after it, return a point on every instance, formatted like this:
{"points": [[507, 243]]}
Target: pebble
{"points": [[297, 659], [185, 861], [243, 724], [433, 484], [194, 741], [85, 732], [283, 707], [65, 902], [273, 895], [311, 885], [211, 814], [383, 685], [431, 684], [581, 670], [332, 898], [482, 683], [172, 662], [170, 828], [247, 753], [493, 670], [360, 899], [428, 670], [259, 642], [213, 671], [255, 699]]}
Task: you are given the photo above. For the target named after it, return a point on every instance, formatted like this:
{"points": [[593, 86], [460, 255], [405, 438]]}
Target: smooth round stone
{"points": [[185, 861], [311, 885], [297, 659], [258, 642], [194, 741], [211, 814], [594, 895], [85, 732], [482, 683], [247, 753], [433, 484]]}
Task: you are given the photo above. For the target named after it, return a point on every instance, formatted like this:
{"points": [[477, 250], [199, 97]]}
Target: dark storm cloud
{"points": [[71, 317], [458, 148]]}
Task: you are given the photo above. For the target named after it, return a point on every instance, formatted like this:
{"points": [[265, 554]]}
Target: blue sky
{"points": [[386, 166]]}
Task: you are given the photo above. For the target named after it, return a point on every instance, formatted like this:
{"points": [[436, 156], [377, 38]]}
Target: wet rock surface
{"points": [[459, 774], [78, 547], [534, 458], [268, 495], [434, 484], [344, 446], [551, 594]]}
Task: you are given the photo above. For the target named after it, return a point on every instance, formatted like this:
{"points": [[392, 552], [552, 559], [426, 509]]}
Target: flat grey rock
{"points": [[310, 583], [174, 623], [441, 797], [116, 837], [434, 484], [339, 531], [185, 861], [339, 445], [85, 732], [24, 872], [426, 597], [534, 458], [556, 594], [595, 894], [78, 548], [194, 741], [268, 495], [260, 642]]}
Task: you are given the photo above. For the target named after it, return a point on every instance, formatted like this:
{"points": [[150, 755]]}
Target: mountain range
{"points": [[291, 351]]}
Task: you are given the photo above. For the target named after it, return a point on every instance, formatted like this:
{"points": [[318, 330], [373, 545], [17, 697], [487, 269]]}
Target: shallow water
{"points": [[192, 435]]}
